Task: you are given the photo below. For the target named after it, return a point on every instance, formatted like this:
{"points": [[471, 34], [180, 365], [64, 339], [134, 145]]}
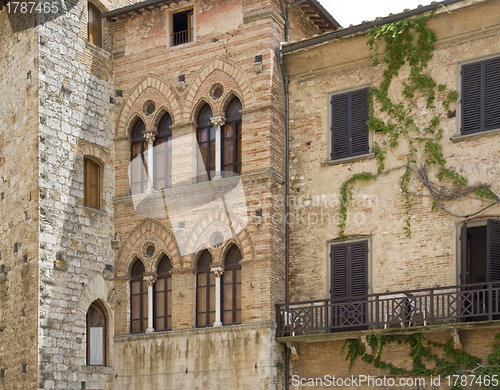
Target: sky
{"points": [[355, 11]]}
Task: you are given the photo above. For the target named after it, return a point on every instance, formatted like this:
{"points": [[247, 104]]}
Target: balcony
{"points": [[402, 309], [182, 37]]}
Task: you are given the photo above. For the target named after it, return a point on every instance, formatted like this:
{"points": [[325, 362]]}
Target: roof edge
{"points": [[288, 48]]}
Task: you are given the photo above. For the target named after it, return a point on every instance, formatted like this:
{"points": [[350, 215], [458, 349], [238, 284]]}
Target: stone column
{"points": [[218, 122], [150, 280], [218, 271], [150, 137]]}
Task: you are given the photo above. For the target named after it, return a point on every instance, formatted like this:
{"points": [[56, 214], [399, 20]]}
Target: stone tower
{"points": [[142, 156]]}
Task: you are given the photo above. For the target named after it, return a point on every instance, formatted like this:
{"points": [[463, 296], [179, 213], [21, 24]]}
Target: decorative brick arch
{"points": [[224, 65], [148, 81], [86, 149], [246, 244], [153, 226]]}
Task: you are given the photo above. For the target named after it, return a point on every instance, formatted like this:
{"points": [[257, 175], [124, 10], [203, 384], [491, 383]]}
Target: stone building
{"points": [[136, 247], [440, 281]]}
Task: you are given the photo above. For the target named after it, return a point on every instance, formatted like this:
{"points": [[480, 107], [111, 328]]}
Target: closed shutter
{"points": [[349, 128], [94, 25], [359, 128], [349, 269], [471, 98], [359, 268], [339, 279], [492, 94], [493, 250], [463, 255], [340, 126]]}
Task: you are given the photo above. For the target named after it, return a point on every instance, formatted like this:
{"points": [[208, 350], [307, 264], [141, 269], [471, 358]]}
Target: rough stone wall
{"points": [[18, 202], [76, 121], [396, 262]]}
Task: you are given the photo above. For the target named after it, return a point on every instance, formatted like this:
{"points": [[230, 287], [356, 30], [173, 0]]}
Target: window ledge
{"points": [[347, 160], [103, 370], [98, 50], [461, 137]]}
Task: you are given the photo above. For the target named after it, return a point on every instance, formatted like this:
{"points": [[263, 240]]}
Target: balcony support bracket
{"points": [[293, 350], [368, 348], [456, 339]]}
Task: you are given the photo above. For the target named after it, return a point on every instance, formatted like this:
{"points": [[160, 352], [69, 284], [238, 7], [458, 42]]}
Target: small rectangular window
{"points": [[94, 25], [349, 131], [481, 96], [182, 31], [92, 174]]}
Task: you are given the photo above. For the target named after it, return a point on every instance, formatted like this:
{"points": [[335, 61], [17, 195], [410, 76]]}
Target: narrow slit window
{"points": [[92, 187], [94, 25]]}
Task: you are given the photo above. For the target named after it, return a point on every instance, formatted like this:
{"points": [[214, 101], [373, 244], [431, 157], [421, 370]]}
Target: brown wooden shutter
{"points": [[471, 98], [349, 269], [339, 278], [464, 268], [359, 268], [492, 94], [493, 250], [359, 128], [340, 126]]}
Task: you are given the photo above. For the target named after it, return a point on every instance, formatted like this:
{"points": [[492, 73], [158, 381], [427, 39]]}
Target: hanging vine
{"points": [[425, 357], [410, 43]]}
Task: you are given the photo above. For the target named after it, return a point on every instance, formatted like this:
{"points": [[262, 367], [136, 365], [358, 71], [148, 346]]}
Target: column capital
{"points": [[149, 137], [218, 121], [218, 271], [150, 279]]}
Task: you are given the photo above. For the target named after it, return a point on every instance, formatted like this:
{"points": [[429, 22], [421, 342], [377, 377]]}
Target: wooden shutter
{"points": [[349, 128], [493, 250], [359, 128], [464, 268], [339, 278], [471, 98], [340, 126], [349, 269], [492, 94], [359, 268]]}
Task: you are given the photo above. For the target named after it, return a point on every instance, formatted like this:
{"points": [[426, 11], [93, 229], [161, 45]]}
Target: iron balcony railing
{"points": [[181, 37], [432, 306]]}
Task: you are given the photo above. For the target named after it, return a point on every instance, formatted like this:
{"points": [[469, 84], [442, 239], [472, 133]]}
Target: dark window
{"points": [[349, 131], [138, 299], [92, 184], [480, 253], [94, 25], [481, 96], [231, 140], [163, 154], [163, 296], [349, 279], [182, 27], [138, 166], [96, 336], [205, 292], [231, 288], [206, 144]]}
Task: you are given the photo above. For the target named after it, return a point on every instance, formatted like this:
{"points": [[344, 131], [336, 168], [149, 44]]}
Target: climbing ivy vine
{"points": [[428, 357], [411, 111]]}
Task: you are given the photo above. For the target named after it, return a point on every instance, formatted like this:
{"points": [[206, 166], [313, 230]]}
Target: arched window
{"points": [[163, 154], [138, 299], [205, 292], [231, 139], [231, 288], [94, 25], [163, 296], [206, 144], [138, 178], [92, 184], [96, 335]]}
